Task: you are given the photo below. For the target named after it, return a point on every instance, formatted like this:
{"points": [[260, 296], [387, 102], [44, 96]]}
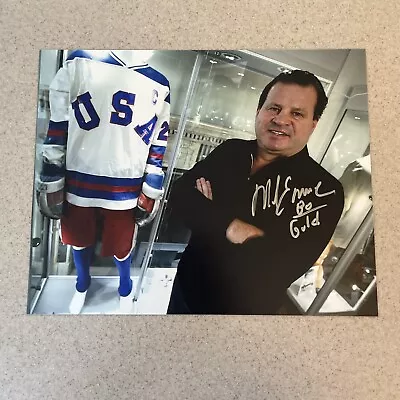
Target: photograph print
{"points": [[224, 182]]}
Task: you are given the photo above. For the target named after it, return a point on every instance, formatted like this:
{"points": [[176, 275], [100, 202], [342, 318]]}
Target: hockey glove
{"points": [[50, 198], [146, 210]]}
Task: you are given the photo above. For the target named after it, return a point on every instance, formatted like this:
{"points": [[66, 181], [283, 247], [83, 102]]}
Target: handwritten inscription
{"points": [[307, 216], [266, 191]]}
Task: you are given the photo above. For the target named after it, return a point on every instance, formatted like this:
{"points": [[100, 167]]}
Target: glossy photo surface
{"points": [[162, 185]]}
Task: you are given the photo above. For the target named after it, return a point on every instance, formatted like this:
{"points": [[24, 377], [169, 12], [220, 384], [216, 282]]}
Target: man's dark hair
{"points": [[302, 78]]}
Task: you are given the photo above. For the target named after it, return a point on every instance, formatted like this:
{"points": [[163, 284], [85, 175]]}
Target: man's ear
{"points": [[314, 124]]}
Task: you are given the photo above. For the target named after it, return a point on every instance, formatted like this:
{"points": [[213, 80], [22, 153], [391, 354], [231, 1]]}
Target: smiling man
{"points": [[261, 212]]}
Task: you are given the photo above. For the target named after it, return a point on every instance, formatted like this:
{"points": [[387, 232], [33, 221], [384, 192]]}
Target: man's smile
{"points": [[276, 132]]}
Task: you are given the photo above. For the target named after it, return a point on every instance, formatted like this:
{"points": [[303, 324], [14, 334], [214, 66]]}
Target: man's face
{"points": [[285, 121]]}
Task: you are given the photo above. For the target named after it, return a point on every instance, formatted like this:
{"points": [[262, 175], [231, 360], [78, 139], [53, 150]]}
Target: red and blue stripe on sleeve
{"points": [[57, 133], [156, 155]]}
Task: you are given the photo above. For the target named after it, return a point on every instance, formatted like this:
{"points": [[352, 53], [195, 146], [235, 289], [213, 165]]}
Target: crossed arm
{"points": [[194, 202], [238, 231]]}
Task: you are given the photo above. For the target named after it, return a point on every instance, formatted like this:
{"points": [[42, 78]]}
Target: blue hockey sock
{"points": [[124, 269], [82, 260]]}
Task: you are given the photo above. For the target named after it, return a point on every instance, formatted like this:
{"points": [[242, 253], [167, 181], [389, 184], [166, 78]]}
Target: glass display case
{"points": [[52, 272], [344, 280], [40, 257]]}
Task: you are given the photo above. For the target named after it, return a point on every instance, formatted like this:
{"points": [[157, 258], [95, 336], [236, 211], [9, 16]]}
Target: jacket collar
{"points": [[298, 157]]}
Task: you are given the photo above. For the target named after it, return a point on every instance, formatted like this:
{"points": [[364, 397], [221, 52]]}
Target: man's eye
{"points": [[272, 108], [297, 114]]}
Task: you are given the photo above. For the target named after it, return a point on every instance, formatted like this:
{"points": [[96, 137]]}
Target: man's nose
{"points": [[281, 119]]}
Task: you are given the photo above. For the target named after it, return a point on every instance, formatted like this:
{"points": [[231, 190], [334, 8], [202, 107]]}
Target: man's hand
{"points": [[204, 187], [239, 231]]}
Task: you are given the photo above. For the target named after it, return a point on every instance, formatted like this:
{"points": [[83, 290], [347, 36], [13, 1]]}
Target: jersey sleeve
{"points": [[54, 146], [201, 215], [154, 176]]}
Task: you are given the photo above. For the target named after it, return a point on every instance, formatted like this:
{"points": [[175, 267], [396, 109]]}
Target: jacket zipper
{"points": [[252, 162]]}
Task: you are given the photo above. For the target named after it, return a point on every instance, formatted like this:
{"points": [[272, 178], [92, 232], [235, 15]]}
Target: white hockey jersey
{"points": [[108, 129]]}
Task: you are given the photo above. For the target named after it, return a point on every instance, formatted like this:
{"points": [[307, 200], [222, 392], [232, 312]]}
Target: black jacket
{"points": [[218, 277]]}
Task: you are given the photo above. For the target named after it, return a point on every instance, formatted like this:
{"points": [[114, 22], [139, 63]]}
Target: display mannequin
{"points": [[356, 182], [102, 158]]}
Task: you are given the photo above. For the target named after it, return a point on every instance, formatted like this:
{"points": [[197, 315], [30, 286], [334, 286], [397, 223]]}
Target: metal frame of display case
{"points": [[40, 222], [359, 239], [180, 131]]}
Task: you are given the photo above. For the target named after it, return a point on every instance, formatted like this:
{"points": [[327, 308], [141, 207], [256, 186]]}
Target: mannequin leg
{"points": [[78, 228], [119, 238], [125, 289], [82, 259]]}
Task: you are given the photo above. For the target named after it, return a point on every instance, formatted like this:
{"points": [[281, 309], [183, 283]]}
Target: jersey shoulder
{"points": [[154, 75], [95, 55]]}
